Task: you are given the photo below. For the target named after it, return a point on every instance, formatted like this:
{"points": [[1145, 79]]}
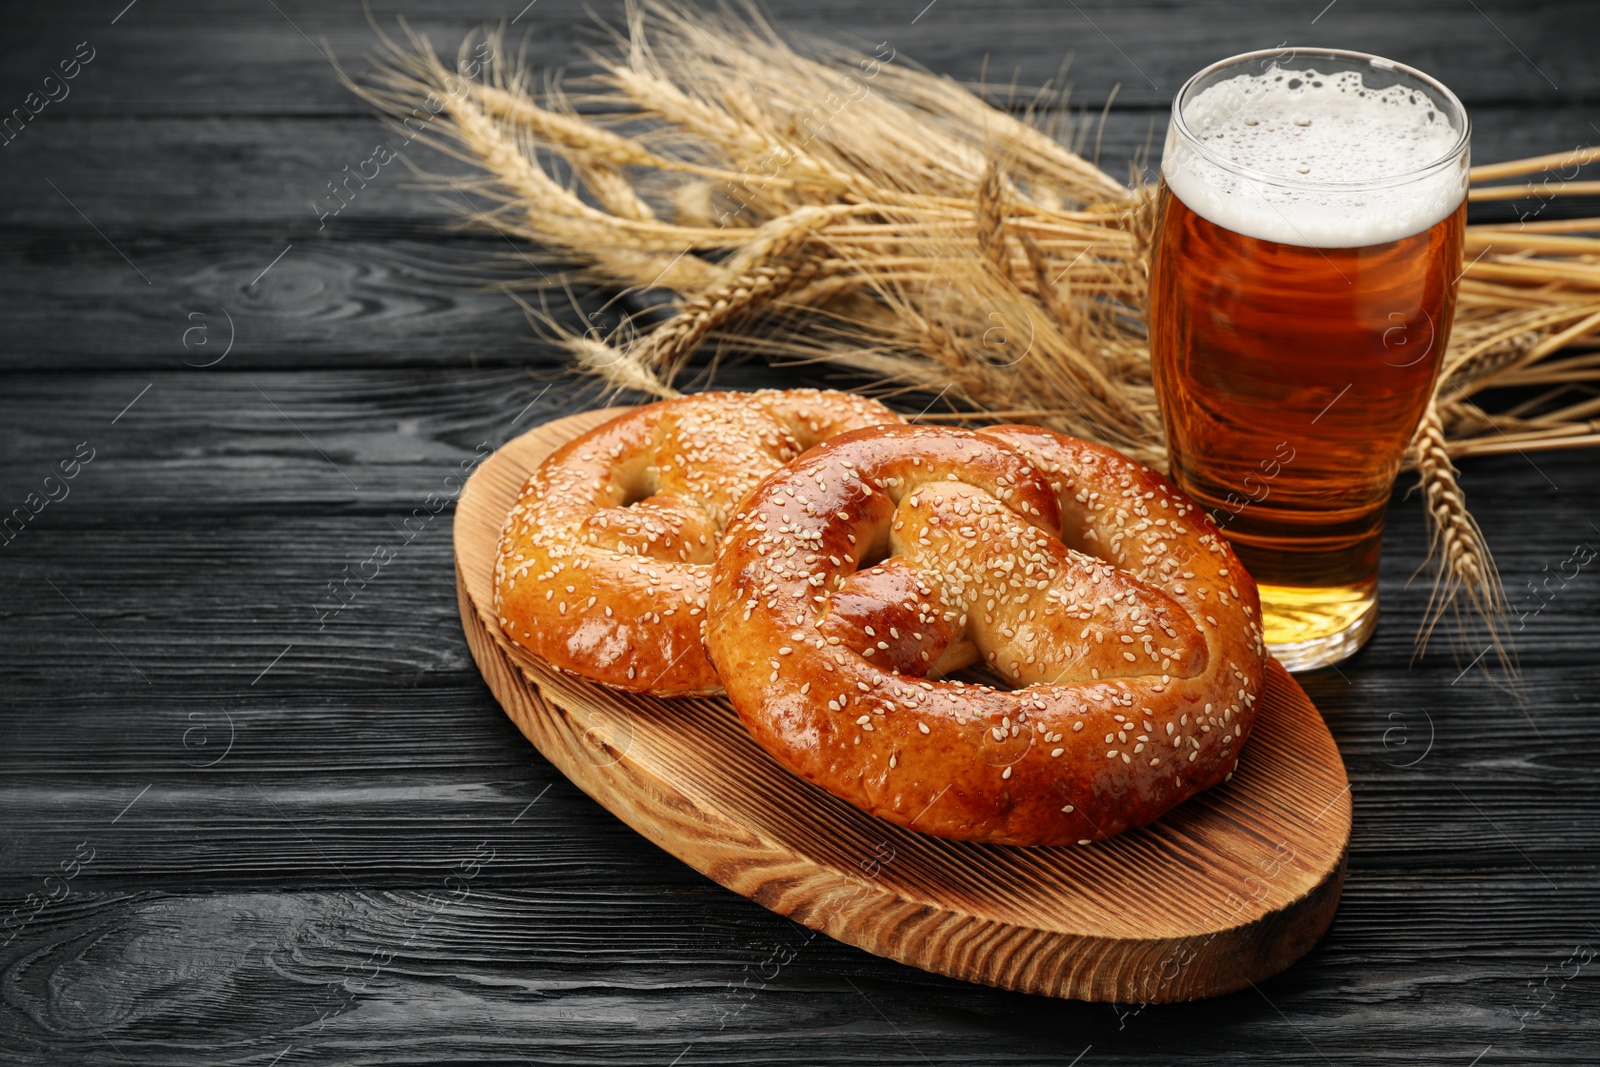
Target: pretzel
{"points": [[889, 558], [605, 561]]}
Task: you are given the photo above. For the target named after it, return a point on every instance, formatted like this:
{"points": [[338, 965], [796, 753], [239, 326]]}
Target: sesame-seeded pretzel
{"points": [[605, 561], [886, 558]]}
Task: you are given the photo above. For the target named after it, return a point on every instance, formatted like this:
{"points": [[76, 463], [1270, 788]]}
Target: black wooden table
{"points": [[231, 812]]}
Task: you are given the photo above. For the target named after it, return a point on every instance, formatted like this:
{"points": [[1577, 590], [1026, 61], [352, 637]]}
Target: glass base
{"points": [[1311, 627]]}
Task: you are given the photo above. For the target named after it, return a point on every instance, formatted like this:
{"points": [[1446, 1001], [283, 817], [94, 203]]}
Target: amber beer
{"points": [[1303, 281]]}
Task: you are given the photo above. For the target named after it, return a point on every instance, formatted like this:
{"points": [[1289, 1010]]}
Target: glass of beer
{"points": [[1310, 222]]}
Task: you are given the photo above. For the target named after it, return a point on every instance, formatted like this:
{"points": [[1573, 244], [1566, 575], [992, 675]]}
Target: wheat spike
{"points": [[621, 369], [991, 217], [1461, 561], [1045, 287], [668, 347]]}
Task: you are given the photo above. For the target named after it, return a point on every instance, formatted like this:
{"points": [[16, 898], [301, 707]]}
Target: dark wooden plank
{"points": [[395, 297], [212, 174], [384, 300], [297, 798], [215, 171], [574, 976], [180, 58]]}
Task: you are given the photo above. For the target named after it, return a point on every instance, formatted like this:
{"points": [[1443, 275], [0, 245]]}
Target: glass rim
{"points": [[1449, 158]]}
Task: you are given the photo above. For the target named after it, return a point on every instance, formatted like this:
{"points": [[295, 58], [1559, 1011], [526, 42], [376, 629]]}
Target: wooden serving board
{"points": [[1225, 890]]}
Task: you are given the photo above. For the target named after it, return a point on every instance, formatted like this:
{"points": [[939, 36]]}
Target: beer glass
{"points": [[1310, 222]]}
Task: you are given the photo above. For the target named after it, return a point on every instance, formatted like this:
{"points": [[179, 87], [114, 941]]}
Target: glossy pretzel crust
{"points": [[1079, 576], [605, 561]]}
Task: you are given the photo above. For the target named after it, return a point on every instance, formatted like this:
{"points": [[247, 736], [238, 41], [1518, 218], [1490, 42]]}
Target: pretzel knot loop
{"points": [[605, 561], [853, 581]]}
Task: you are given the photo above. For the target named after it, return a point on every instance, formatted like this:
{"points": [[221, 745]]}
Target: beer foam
{"points": [[1307, 137]]}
